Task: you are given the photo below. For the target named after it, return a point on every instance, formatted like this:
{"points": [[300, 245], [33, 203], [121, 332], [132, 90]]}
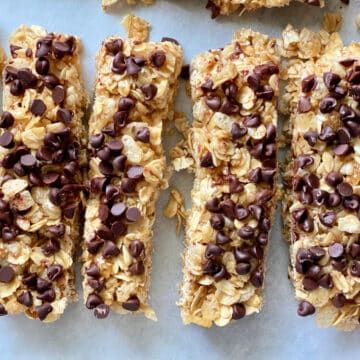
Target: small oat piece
{"points": [[321, 207], [332, 22], [135, 90], [175, 207], [42, 152], [107, 3], [226, 7], [233, 143], [136, 27]]}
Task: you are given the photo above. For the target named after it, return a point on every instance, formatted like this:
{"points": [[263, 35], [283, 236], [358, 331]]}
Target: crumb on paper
{"points": [[106, 3], [136, 27], [332, 22], [175, 207], [180, 157]]}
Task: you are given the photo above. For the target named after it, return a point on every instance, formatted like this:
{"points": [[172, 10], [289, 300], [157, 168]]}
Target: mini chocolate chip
{"points": [[213, 250], [42, 284], [309, 284], [333, 178], [119, 162], [7, 274], [256, 211], [115, 146], [229, 88], [347, 62], [252, 120], [334, 200], [331, 80], [308, 83], [336, 250], [8, 234], [149, 91], [319, 196], [304, 161], [93, 270], [111, 192], [257, 277], [136, 248], [311, 180], [326, 281], [265, 92], [304, 105], [342, 149], [121, 118], [207, 86], [54, 272], [328, 218], [213, 102], [94, 245], [37, 107], [235, 186], [344, 189], [25, 298], [28, 161], [255, 175], [48, 295], [238, 311], [93, 301], [237, 131], [157, 59], [217, 221], [229, 107], [57, 230], [222, 239], [241, 255], [97, 184], [339, 300], [137, 268], [355, 268], [133, 214], [213, 205], [205, 160], [104, 154], [311, 137], [50, 81], [263, 196], [7, 119], [128, 185], [58, 94], [305, 308], [131, 304], [50, 247], [102, 311], [114, 46], [227, 207], [253, 81], [43, 311], [327, 134], [105, 168], [241, 213], [135, 172], [7, 140], [327, 104], [143, 134], [314, 270], [347, 113], [110, 250], [30, 281], [51, 178], [105, 233], [246, 232], [42, 66], [126, 103], [118, 209], [64, 116], [103, 213], [243, 268], [355, 250], [97, 285]]}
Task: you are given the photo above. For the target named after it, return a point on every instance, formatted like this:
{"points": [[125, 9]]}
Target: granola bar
{"points": [[233, 142], [134, 95], [321, 208], [41, 141], [226, 7]]}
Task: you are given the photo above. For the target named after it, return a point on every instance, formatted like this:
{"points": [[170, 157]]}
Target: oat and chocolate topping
{"points": [[42, 155], [134, 95], [321, 207], [233, 143]]}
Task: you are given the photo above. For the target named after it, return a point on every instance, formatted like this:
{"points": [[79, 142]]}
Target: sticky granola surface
{"points": [[41, 152], [233, 143], [321, 208], [134, 95]]}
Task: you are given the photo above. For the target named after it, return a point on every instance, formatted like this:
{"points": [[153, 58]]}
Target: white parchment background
{"points": [[277, 332]]}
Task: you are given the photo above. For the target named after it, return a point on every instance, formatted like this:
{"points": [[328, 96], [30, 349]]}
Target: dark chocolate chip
{"points": [[342, 149], [309, 284], [48, 295], [328, 218], [58, 94], [105, 168], [246, 232], [344, 189], [339, 300], [213, 205], [237, 131], [305, 308], [327, 104], [93, 301], [355, 268], [25, 298], [333, 178], [238, 311], [205, 160], [149, 91], [213, 102], [311, 137], [136, 247], [126, 103], [157, 59], [118, 209], [326, 281], [137, 268], [54, 272], [50, 81], [257, 277], [304, 161], [222, 239], [119, 162], [110, 250], [243, 268], [304, 105], [213, 250], [229, 107], [143, 134], [102, 311], [7, 274], [135, 172], [43, 311], [50, 247], [331, 80], [7, 119], [133, 214], [217, 221], [252, 120], [114, 46], [128, 185], [105, 233], [132, 304], [336, 250], [308, 83], [118, 228], [37, 107], [7, 140]]}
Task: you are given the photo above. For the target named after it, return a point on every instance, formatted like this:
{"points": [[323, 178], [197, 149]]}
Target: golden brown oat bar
{"points": [[226, 7], [134, 95], [233, 142], [321, 208], [41, 154]]}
